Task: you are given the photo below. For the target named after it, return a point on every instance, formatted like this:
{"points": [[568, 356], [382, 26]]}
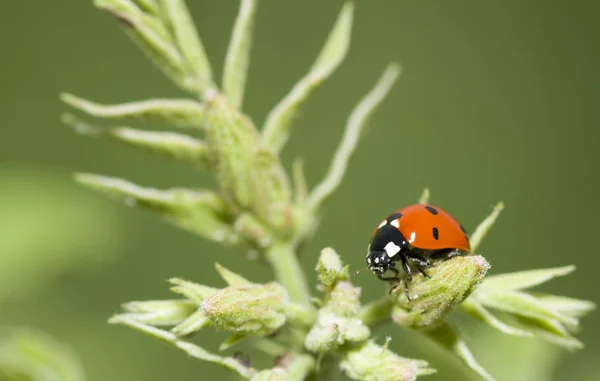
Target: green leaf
{"points": [[201, 212], [354, 128], [277, 127], [193, 323], [33, 355], [299, 180], [153, 39], [238, 54], [478, 311], [524, 279], [189, 45], [568, 306], [230, 277], [521, 304], [174, 112], [447, 336], [424, 199], [193, 291], [552, 331], [231, 341], [160, 312], [149, 6], [176, 146], [485, 226], [193, 350]]}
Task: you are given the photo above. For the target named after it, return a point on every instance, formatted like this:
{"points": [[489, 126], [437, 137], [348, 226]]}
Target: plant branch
{"points": [[238, 53], [352, 135], [377, 312], [288, 271]]}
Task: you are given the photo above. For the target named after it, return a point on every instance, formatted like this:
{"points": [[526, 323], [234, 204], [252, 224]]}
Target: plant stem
{"points": [[377, 312], [300, 367], [288, 271]]}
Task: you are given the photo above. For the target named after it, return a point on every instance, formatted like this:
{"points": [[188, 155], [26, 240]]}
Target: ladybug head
{"points": [[378, 262]]}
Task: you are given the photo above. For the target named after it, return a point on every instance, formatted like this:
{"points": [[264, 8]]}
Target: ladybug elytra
{"points": [[416, 235]]}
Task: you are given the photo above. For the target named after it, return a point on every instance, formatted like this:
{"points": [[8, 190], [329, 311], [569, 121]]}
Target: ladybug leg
{"points": [[391, 278], [446, 254], [454, 253], [395, 277], [408, 278], [421, 263]]}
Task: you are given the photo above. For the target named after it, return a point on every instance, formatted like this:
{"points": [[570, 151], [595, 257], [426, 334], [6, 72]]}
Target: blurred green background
{"points": [[497, 101]]}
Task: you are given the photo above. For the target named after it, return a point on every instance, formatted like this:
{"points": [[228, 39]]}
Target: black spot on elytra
{"points": [[394, 216], [431, 209], [463, 229], [436, 233]]}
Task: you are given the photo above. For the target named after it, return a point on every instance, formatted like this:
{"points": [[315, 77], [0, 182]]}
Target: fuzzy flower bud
{"points": [[433, 299], [375, 363], [250, 177], [330, 269], [337, 322], [252, 309]]}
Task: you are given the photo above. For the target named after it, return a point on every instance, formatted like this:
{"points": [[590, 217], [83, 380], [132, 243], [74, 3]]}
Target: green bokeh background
{"points": [[497, 101]]}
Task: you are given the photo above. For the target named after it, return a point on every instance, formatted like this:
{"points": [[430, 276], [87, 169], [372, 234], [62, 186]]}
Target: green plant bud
{"points": [[345, 299], [324, 336], [330, 269], [371, 362], [337, 322], [451, 282], [252, 309], [269, 375], [250, 178], [331, 331], [230, 277]]}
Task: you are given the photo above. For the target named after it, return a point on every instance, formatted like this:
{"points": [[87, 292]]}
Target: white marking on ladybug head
{"points": [[412, 237], [368, 260], [395, 224], [376, 259], [382, 224], [391, 249]]}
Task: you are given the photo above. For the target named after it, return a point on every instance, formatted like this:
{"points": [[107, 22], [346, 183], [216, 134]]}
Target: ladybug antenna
{"points": [[360, 271]]}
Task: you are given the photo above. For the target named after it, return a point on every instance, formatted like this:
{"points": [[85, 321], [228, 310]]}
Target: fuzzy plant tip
{"points": [[373, 362], [432, 299]]}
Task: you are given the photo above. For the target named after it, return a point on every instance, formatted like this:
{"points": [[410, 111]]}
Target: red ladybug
{"points": [[415, 234]]}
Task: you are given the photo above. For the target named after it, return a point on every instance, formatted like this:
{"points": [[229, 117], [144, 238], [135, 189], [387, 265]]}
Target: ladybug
{"points": [[416, 234]]}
